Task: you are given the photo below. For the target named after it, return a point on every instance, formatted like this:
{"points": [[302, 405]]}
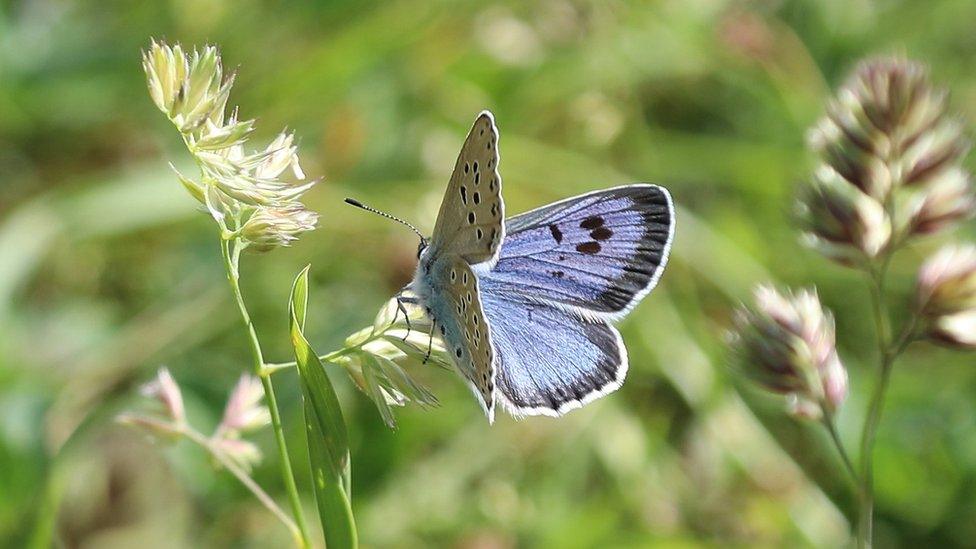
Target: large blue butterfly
{"points": [[524, 305]]}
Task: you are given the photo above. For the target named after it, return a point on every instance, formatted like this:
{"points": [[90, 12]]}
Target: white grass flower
{"points": [[841, 221], [958, 330], [785, 343], [259, 191], [947, 281], [244, 411], [887, 134], [270, 228], [945, 199], [189, 89], [165, 389], [945, 295]]}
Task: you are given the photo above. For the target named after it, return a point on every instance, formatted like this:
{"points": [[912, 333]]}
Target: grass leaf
{"points": [[328, 442]]}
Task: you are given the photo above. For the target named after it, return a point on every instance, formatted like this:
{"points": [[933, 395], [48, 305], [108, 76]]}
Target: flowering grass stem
{"points": [[889, 350], [231, 258], [247, 481], [273, 367], [891, 171], [828, 421]]}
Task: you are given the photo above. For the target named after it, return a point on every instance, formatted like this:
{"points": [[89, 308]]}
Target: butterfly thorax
{"points": [[420, 285]]}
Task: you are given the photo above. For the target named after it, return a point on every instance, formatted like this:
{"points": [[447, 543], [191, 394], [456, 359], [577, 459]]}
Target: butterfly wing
{"points": [[597, 254], [565, 270], [470, 222], [469, 231], [455, 304], [550, 360]]}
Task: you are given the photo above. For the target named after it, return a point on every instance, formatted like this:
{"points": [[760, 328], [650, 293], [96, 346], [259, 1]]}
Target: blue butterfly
{"points": [[524, 305]]}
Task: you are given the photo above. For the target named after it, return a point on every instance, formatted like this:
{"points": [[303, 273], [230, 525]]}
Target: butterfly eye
{"points": [[421, 247]]}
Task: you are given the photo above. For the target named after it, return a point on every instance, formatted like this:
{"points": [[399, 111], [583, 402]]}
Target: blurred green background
{"points": [[108, 269]]}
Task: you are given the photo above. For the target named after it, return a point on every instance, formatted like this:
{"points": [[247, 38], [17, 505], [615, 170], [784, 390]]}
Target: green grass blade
{"points": [[328, 442]]}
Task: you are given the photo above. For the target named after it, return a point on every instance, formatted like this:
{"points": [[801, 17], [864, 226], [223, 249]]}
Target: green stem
{"points": [[270, 368], [879, 307], [889, 349], [866, 520], [828, 421], [247, 481], [231, 263]]}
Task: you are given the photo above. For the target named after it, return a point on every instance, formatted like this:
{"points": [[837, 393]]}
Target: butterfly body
{"points": [[524, 305]]}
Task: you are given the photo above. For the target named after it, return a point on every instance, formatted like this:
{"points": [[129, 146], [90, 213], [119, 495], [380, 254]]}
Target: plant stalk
{"points": [[866, 515], [247, 481], [889, 349], [828, 421], [271, 367], [231, 264]]}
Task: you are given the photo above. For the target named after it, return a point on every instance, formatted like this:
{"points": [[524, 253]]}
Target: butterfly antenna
{"points": [[358, 204]]}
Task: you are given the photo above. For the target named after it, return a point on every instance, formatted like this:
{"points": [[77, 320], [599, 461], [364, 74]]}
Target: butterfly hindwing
{"points": [[550, 360], [471, 219], [456, 307], [596, 254], [469, 231]]}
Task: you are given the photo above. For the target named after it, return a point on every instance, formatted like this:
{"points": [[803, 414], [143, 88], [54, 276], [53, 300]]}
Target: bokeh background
{"points": [[108, 270]]}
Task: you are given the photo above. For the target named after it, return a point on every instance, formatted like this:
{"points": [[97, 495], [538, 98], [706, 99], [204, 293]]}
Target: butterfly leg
{"points": [[401, 299], [401, 309], [430, 340]]}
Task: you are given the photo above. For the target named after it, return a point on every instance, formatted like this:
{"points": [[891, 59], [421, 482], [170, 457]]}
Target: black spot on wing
{"points": [[601, 233], [557, 235], [591, 222], [589, 248], [652, 204], [464, 194]]}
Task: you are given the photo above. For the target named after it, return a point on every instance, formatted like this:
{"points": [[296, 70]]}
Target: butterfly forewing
{"points": [[471, 219], [597, 254]]}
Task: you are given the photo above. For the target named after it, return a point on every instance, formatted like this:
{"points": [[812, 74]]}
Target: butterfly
{"points": [[524, 305]]}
